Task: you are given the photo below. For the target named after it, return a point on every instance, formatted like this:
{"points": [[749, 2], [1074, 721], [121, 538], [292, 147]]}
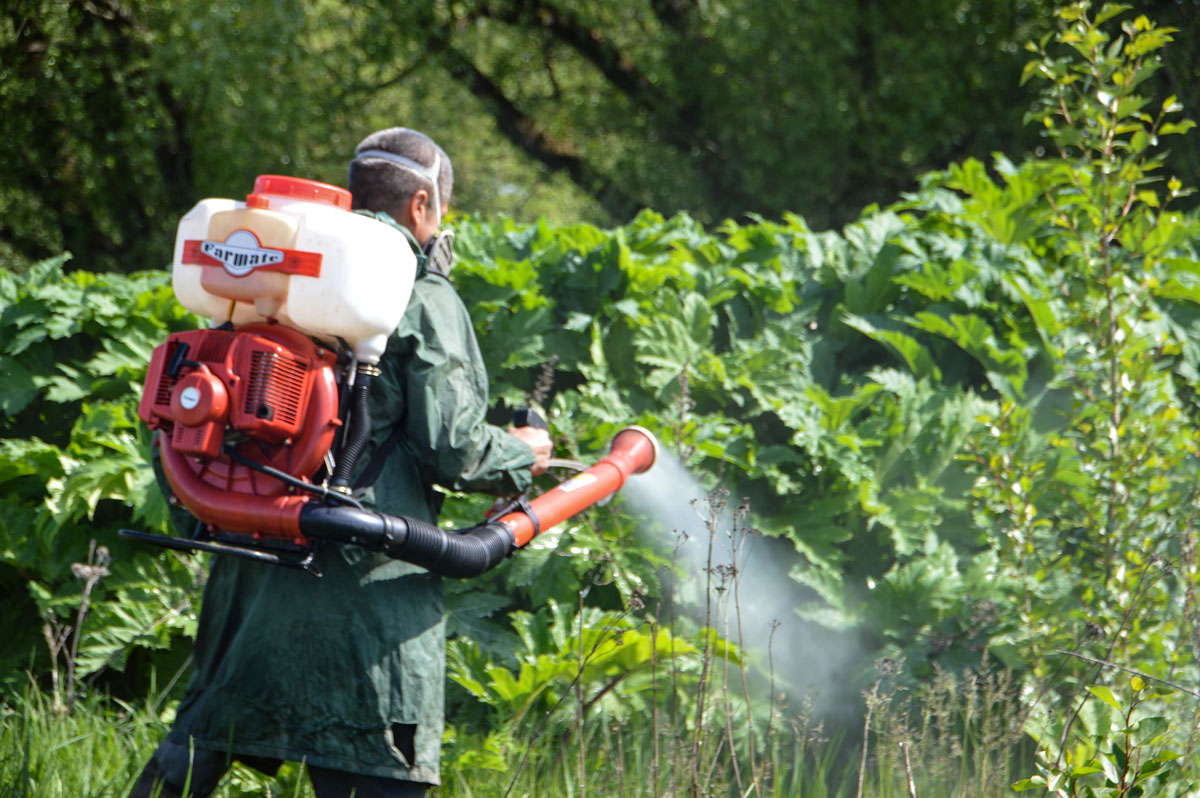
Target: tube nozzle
{"points": [[639, 446]]}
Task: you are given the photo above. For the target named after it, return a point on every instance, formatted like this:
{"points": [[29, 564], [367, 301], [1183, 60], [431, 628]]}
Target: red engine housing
{"points": [[267, 390]]}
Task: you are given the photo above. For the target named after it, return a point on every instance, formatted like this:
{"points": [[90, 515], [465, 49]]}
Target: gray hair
{"points": [[391, 165]]}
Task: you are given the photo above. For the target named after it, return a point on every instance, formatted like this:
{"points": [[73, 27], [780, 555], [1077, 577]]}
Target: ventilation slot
{"points": [[276, 387], [188, 439], [162, 396], [215, 346]]}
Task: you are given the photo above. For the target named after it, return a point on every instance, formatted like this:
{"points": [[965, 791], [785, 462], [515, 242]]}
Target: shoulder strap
{"points": [[375, 465]]}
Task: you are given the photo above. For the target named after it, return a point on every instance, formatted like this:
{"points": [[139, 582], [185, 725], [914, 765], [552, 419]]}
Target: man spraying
{"points": [[346, 673]]}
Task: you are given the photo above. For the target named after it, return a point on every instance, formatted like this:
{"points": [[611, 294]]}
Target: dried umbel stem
{"points": [[912, 786], [91, 572], [544, 383]]}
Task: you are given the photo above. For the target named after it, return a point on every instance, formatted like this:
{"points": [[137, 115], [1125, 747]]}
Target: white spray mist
{"points": [[808, 660]]}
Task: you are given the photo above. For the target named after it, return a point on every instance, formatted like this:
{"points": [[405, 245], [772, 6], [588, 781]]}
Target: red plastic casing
{"points": [[301, 189], [280, 394], [634, 451]]}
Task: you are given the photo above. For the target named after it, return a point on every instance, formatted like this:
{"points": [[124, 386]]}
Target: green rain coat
{"points": [[347, 671]]}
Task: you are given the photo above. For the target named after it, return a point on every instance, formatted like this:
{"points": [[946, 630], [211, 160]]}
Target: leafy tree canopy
{"points": [[118, 116]]}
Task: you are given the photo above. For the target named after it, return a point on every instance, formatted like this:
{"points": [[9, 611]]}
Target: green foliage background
{"points": [[118, 116]]}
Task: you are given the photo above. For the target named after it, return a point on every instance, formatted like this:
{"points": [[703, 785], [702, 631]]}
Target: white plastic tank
{"points": [[295, 253]]}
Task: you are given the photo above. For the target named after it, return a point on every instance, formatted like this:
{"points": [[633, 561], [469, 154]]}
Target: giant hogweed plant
{"points": [[744, 350], [73, 469]]}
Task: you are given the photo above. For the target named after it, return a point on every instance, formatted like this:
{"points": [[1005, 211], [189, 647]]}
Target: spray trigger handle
{"points": [[528, 417]]}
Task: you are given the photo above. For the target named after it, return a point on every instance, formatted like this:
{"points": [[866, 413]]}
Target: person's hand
{"points": [[538, 440]]}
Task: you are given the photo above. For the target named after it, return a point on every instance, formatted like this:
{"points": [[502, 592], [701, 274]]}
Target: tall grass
{"points": [[98, 749], [961, 734], [95, 749]]}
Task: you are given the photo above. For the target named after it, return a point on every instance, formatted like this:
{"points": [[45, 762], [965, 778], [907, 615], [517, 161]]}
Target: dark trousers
{"points": [[174, 765]]}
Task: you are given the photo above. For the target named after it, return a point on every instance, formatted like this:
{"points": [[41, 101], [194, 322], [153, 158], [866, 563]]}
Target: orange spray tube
{"points": [[634, 450]]}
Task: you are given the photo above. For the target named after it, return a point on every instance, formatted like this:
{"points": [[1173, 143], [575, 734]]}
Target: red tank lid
{"points": [[307, 190]]}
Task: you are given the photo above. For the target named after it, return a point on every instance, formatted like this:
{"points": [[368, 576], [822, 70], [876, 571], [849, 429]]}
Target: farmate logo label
{"points": [[241, 253]]}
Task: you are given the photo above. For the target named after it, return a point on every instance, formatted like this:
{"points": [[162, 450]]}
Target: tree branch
{"points": [[523, 131], [591, 44], [676, 120], [402, 75], [676, 123]]}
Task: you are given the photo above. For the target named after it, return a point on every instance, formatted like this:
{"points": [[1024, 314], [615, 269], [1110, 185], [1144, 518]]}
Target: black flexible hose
{"points": [[288, 479], [458, 553], [360, 428]]}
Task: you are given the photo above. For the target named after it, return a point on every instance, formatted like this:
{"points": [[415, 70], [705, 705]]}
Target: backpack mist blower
{"points": [[261, 419]]}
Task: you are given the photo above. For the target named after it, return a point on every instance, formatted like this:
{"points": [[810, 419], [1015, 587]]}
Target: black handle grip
{"points": [[528, 417]]}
